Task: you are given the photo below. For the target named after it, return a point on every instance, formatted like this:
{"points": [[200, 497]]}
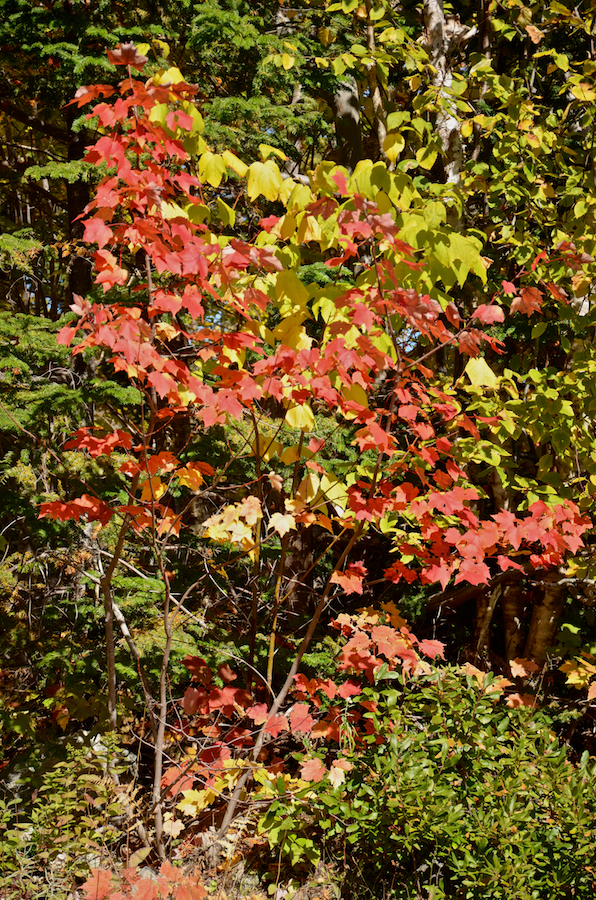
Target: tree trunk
{"points": [[485, 608], [373, 84], [297, 571], [77, 195], [346, 109], [443, 35], [512, 606], [545, 615]]}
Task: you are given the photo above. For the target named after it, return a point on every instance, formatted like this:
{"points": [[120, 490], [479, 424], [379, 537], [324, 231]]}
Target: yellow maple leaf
{"points": [[190, 477], [195, 801], [264, 178], [579, 672], [153, 489], [165, 332], [300, 416], [282, 524]]}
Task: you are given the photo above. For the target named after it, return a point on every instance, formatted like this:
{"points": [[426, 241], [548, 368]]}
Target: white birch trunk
{"points": [[443, 34]]}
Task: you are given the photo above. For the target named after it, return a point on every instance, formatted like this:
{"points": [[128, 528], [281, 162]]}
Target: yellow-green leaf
{"points": [[308, 488], [266, 150], [326, 36], [393, 145], [195, 801], [291, 333], [426, 157], [290, 455], [300, 416], [583, 92], [212, 168], [264, 178], [480, 373], [226, 214], [162, 47], [158, 113], [173, 211], [168, 76], [198, 125], [291, 295], [467, 128], [233, 163]]}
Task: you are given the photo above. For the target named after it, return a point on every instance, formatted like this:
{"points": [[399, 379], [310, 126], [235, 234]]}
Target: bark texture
{"points": [[346, 110], [442, 37], [512, 607], [545, 616]]}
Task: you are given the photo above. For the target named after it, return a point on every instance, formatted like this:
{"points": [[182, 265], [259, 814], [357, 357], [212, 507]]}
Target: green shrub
{"points": [[65, 829], [452, 794]]}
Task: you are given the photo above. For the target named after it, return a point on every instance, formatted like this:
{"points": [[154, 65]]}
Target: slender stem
{"points": [[277, 703], [108, 601], [273, 634], [256, 560]]}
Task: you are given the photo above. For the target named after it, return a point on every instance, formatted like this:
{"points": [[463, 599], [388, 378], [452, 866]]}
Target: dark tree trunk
{"points": [[77, 194]]}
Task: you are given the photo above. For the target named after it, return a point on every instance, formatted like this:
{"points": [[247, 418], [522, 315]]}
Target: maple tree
{"points": [[345, 382], [211, 329]]}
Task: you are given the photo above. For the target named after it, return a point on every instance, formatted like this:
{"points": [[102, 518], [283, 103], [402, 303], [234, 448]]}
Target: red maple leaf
{"points": [[510, 527], [349, 689], [473, 572], [529, 301], [98, 886], [176, 776], [351, 578], [340, 180], [489, 314], [95, 510], [312, 770], [505, 563], [84, 94], [258, 713], [558, 293], [96, 231], [193, 700], [388, 640], [198, 668], [275, 725], [224, 699], [127, 55], [432, 648], [300, 718], [162, 383], [97, 446]]}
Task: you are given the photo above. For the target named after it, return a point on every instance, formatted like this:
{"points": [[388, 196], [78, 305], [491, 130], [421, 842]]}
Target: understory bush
{"points": [[49, 841], [451, 794]]}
